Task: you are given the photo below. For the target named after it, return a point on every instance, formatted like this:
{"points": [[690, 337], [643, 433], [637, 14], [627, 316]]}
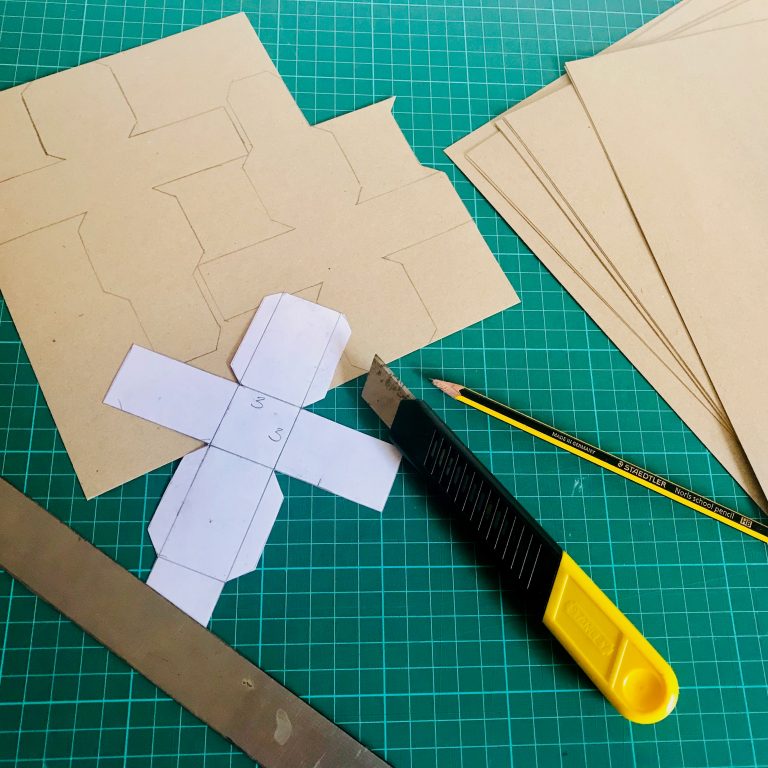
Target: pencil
{"points": [[604, 459]]}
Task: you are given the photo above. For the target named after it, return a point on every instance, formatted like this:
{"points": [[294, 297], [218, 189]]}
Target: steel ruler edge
{"points": [[181, 657]]}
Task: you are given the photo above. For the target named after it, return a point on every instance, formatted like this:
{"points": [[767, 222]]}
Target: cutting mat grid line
{"points": [[384, 622]]}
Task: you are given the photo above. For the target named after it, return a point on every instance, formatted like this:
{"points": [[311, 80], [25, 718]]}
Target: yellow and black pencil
{"points": [[604, 459]]}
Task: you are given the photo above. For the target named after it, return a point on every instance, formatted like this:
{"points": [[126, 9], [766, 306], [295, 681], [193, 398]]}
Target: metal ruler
{"points": [[208, 677]]}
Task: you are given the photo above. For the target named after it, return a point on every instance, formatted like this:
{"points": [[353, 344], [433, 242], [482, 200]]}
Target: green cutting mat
{"points": [[385, 622]]}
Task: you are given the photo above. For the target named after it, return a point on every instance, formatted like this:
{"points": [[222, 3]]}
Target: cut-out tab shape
{"points": [[216, 514]]}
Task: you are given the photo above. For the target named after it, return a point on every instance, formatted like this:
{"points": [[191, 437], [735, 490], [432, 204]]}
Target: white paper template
{"points": [[193, 592], [257, 534], [175, 493], [339, 460], [218, 509], [216, 514], [294, 324], [255, 426], [170, 393]]}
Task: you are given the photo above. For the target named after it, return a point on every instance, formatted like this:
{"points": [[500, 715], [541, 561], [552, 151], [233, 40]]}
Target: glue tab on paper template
{"points": [[216, 514]]}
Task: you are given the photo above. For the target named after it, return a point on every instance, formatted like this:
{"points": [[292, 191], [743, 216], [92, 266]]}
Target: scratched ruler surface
{"points": [[385, 622]]}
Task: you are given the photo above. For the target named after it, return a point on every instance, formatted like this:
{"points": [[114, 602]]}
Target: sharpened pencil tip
{"points": [[450, 389]]}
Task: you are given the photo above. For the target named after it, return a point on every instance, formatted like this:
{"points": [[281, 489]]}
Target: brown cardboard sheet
{"points": [[682, 122], [687, 14], [203, 674], [667, 20], [553, 122], [644, 285], [628, 329], [499, 162], [154, 197], [680, 17], [555, 138], [677, 16], [721, 15], [667, 377]]}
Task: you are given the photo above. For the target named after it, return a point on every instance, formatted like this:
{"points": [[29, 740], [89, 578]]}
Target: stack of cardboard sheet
{"points": [[640, 179]]}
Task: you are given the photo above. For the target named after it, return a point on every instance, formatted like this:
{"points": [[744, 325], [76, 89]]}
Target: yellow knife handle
{"points": [[618, 659], [608, 647]]}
